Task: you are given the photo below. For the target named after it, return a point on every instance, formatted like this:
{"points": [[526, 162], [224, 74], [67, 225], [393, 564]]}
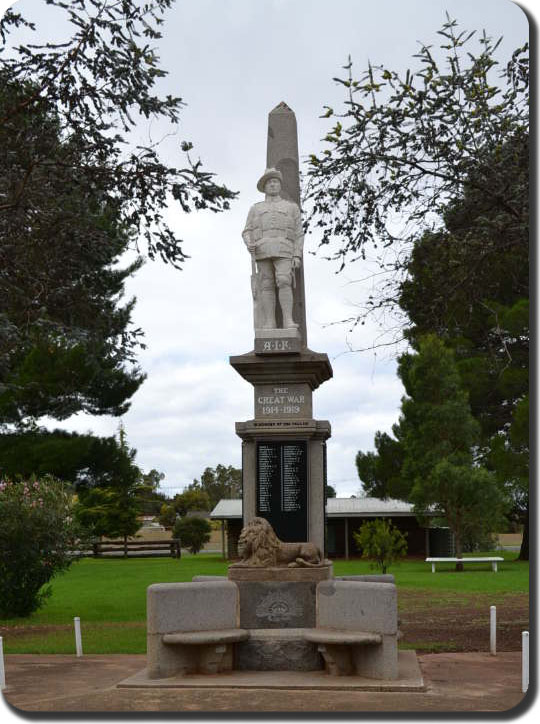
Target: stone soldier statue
{"points": [[274, 237]]}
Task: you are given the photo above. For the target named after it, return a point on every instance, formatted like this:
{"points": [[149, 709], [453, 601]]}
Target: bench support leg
{"points": [[213, 659], [494, 566], [337, 659], [433, 567]]}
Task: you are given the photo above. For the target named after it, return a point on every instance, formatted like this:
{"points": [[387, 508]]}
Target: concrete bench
{"points": [[192, 628], [481, 559], [337, 646], [365, 644]]}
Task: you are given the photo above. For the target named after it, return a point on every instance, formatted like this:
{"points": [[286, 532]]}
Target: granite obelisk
{"points": [[283, 446], [282, 153]]}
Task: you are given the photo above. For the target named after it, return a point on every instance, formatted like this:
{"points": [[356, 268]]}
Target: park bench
{"points": [[137, 548], [192, 628], [480, 559], [365, 644]]}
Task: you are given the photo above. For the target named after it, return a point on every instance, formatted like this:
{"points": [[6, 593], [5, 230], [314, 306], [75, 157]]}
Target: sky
{"points": [[232, 61]]}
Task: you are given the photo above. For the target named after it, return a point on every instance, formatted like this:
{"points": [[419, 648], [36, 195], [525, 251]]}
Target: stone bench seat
{"points": [[341, 637], [206, 638]]}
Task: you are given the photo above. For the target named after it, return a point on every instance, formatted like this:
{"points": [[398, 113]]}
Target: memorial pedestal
{"points": [[283, 447]]}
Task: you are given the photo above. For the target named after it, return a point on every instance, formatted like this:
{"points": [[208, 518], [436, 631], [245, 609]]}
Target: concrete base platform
{"points": [[409, 679]]}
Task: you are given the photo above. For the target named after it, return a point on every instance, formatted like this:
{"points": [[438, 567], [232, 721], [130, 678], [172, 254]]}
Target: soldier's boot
{"points": [[268, 304], [286, 304]]}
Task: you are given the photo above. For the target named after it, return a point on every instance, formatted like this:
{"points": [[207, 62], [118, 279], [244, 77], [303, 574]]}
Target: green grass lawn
{"points": [[110, 597]]}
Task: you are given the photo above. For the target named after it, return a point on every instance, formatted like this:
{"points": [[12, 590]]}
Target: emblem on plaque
{"points": [[276, 606]]}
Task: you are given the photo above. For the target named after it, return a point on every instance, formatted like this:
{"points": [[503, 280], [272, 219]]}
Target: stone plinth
{"points": [[278, 650], [258, 573], [278, 598], [308, 367]]}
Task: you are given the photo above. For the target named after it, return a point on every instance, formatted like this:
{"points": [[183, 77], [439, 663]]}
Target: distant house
{"points": [[343, 517]]}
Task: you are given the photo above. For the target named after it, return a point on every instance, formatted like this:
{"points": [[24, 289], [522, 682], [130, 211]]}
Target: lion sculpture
{"points": [[258, 545]]}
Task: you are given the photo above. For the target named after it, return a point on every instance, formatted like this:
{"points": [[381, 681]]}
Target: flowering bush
{"points": [[38, 537]]}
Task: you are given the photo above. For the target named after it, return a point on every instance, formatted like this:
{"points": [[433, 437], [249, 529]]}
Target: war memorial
{"points": [[280, 612]]}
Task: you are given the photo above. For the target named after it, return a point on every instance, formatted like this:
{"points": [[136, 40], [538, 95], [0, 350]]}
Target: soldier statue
{"points": [[274, 238]]}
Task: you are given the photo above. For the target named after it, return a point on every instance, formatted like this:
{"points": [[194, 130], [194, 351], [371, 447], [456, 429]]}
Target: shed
{"points": [[343, 517]]}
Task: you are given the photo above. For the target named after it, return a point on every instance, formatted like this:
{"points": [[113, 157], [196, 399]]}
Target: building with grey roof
{"points": [[344, 516]]}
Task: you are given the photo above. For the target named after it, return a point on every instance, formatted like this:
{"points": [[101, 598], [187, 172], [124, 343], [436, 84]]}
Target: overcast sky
{"points": [[232, 61]]}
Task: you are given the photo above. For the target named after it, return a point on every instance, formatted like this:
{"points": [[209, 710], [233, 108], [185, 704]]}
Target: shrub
{"points": [[38, 536], [381, 542], [193, 533]]}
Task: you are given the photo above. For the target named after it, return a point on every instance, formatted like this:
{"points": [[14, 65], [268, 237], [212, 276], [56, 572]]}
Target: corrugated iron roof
{"points": [[366, 506], [227, 508], [335, 508]]}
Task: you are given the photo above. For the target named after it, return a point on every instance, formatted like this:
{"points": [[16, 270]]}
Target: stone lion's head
{"points": [[258, 543]]}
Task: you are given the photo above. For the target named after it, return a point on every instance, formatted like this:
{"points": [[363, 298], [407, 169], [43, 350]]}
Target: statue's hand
{"points": [[296, 262]]}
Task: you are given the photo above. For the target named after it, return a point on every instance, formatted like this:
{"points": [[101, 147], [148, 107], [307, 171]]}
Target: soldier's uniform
{"points": [[274, 235], [276, 229]]}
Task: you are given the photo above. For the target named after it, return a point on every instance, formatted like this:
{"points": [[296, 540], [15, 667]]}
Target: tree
{"points": [[191, 499], [439, 435], [509, 455], [380, 472], [39, 538], [431, 168], [193, 533], [84, 460], [74, 195], [167, 515], [408, 146], [484, 317], [329, 491], [219, 482], [149, 497], [101, 80], [379, 540], [65, 339], [113, 509]]}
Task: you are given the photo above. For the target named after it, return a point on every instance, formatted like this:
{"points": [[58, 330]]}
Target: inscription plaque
{"points": [[282, 401], [282, 487]]}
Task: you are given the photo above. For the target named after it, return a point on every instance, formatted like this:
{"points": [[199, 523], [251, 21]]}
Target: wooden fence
{"points": [[137, 549]]}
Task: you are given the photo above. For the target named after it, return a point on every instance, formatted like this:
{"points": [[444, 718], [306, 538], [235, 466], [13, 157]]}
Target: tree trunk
{"points": [[524, 551], [459, 550]]}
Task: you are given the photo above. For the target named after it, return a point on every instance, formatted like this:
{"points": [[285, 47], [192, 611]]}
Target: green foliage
{"points": [[38, 537], [167, 515], [82, 459], [380, 472], [219, 482], [103, 78], [193, 532], [191, 499], [75, 195], [150, 499], [439, 435], [112, 508], [483, 316], [407, 145], [66, 342], [329, 491], [380, 541]]}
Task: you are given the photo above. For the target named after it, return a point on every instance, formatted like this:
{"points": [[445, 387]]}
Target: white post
{"points": [[2, 669], [493, 630], [524, 661], [78, 640]]}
